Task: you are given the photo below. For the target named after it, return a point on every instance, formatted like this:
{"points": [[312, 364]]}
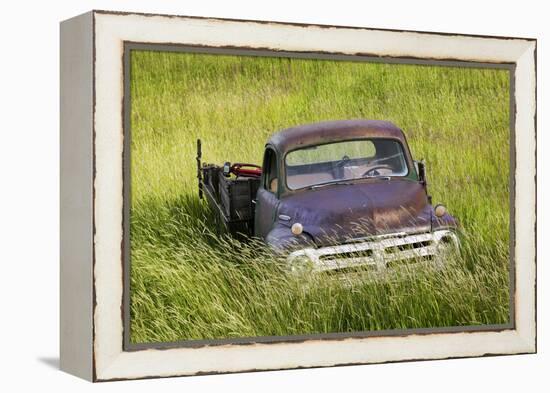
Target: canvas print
{"points": [[279, 196]]}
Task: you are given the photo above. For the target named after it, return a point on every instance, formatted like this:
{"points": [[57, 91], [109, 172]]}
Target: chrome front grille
{"points": [[382, 252]]}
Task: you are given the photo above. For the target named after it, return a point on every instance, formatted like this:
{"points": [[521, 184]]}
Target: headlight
{"points": [[440, 210], [300, 264], [296, 229]]}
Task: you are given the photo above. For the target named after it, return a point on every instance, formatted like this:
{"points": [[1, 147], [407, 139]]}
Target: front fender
{"points": [[282, 241]]}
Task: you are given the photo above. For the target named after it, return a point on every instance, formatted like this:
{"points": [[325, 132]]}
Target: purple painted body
{"points": [[326, 216], [341, 213]]}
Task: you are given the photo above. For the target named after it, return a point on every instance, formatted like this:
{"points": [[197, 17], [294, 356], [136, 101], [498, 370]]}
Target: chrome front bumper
{"points": [[376, 252]]}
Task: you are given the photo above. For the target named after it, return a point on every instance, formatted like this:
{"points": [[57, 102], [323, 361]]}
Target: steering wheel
{"points": [[382, 166]]}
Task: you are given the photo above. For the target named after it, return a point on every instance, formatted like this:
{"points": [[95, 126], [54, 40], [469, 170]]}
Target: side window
{"points": [[271, 183]]}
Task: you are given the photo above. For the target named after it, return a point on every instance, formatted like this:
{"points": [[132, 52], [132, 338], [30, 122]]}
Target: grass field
{"points": [[189, 283]]}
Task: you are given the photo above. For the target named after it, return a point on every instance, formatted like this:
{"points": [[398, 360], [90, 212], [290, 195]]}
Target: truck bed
{"points": [[231, 198]]}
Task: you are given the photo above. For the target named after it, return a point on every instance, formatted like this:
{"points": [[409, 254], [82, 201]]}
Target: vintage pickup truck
{"points": [[333, 195]]}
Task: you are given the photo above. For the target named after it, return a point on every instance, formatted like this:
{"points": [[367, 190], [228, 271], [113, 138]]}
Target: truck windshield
{"points": [[344, 161]]}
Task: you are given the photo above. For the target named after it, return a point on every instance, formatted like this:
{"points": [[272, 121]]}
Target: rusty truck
{"points": [[333, 195]]}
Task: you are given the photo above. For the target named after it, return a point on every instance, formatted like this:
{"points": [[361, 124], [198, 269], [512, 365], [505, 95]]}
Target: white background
{"points": [[29, 196]]}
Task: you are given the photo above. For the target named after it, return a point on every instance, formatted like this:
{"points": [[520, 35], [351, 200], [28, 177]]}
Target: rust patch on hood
{"points": [[342, 212]]}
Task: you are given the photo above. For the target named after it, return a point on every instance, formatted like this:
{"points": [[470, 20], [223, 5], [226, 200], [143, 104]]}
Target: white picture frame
{"points": [[92, 194]]}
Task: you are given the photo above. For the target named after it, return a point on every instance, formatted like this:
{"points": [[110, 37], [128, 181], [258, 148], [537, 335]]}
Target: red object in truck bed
{"points": [[246, 170]]}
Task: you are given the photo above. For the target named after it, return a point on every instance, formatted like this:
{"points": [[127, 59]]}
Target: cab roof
{"points": [[333, 131]]}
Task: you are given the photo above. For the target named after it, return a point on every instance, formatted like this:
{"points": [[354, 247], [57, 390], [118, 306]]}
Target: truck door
{"points": [[267, 196]]}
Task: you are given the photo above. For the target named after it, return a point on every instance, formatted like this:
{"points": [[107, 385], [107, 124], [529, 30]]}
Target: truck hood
{"points": [[337, 213]]}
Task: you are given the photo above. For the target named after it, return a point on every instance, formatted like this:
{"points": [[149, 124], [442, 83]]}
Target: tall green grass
{"points": [[188, 282]]}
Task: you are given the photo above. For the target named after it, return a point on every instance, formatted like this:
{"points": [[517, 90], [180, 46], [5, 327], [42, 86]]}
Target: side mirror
{"points": [[420, 167]]}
